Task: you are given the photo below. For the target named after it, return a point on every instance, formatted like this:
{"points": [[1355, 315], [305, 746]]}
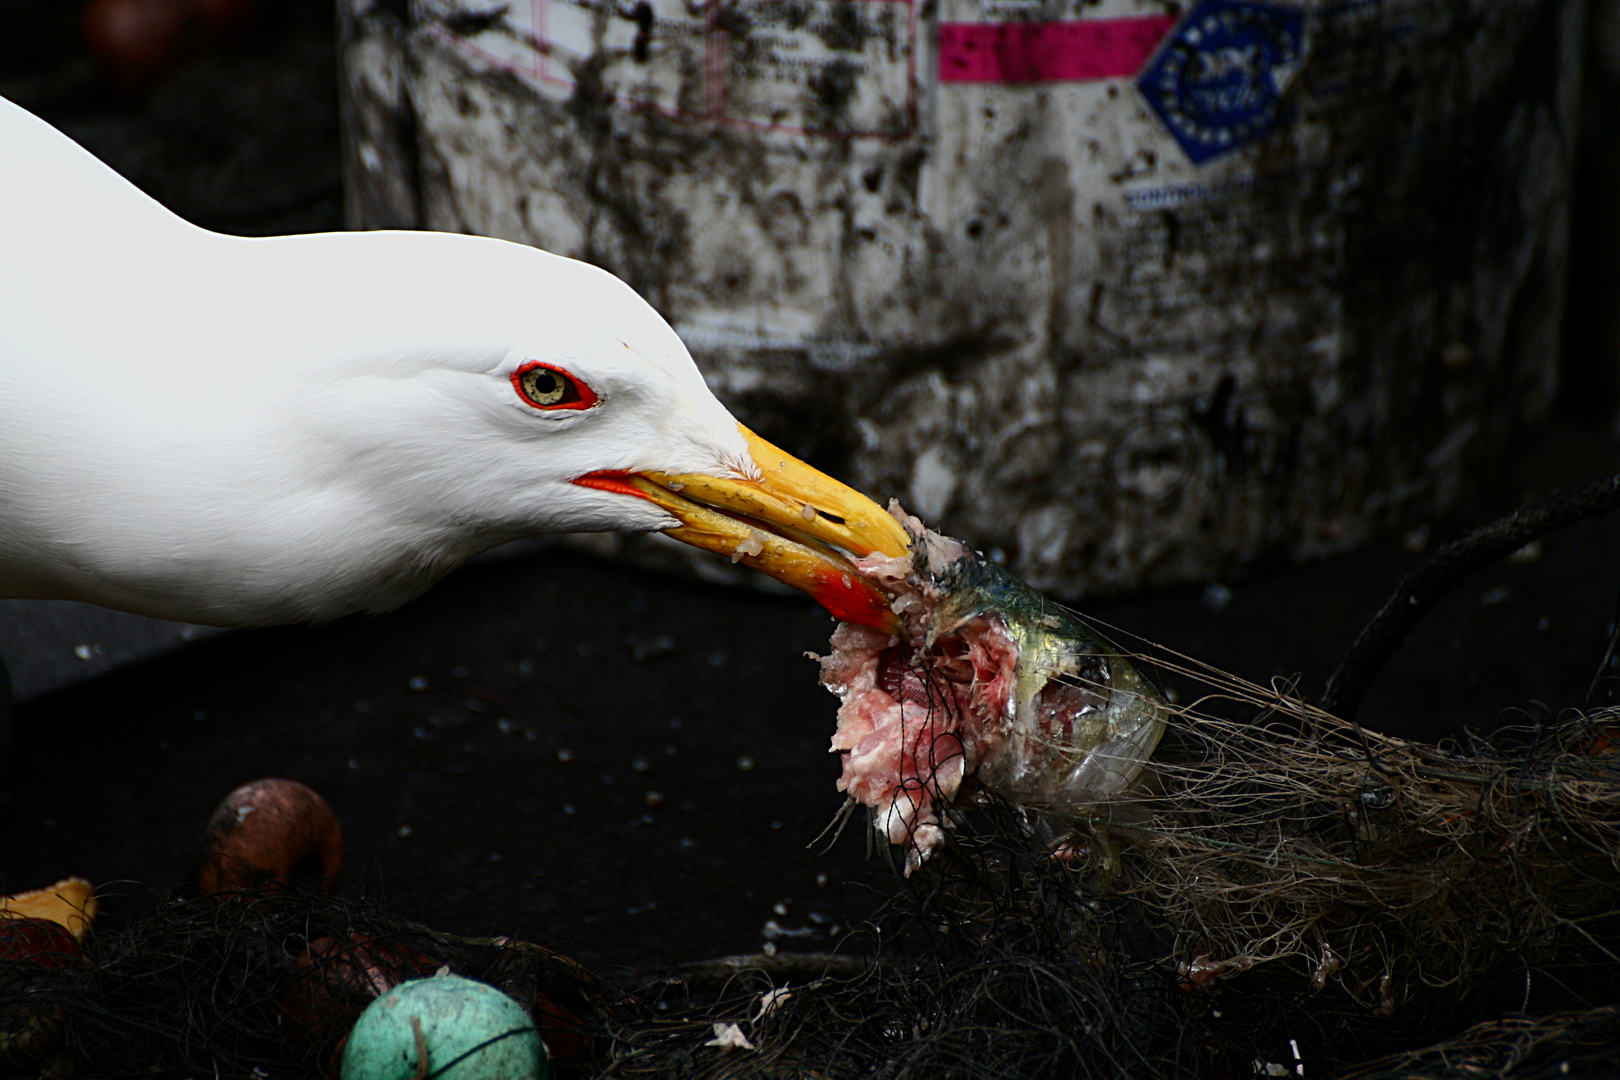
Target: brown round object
{"points": [[265, 831]]}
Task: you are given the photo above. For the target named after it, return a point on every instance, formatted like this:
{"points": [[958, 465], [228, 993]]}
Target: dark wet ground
{"points": [[628, 766]]}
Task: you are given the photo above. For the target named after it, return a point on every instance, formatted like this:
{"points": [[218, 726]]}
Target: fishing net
{"points": [[1280, 837], [254, 984], [1287, 890], [1280, 892], [1579, 1043], [992, 965]]}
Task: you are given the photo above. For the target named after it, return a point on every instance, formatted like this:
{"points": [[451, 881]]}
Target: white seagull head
{"points": [[247, 431]]}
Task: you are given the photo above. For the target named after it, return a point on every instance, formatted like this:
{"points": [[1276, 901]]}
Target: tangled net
{"points": [[1286, 882], [1580, 1043], [1282, 892], [255, 984], [995, 966], [1276, 836]]}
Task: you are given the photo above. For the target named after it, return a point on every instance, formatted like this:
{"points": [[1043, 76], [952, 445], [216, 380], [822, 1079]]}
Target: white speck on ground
{"points": [[729, 1037]]}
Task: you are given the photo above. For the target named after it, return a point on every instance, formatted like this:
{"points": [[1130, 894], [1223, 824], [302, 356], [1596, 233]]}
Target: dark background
{"points": [[628, 766]]}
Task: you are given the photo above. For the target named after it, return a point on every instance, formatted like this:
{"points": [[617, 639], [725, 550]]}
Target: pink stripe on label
{"points": [[1078, 51]]}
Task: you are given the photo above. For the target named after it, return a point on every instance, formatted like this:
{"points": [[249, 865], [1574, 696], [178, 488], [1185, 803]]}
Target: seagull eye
{"points": [[547, 387]]}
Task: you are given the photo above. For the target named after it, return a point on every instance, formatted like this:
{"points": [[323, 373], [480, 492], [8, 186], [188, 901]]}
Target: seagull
{"points": [[249, 431]]}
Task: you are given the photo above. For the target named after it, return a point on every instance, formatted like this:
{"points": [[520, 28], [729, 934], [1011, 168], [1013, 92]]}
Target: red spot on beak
{"points": [[851, 598]]}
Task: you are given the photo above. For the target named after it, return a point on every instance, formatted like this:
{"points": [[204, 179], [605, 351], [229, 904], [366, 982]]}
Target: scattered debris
{"points": [[729, 1037]]}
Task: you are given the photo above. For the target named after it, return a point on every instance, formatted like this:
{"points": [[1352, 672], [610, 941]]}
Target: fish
{"points": [[988, 687]]}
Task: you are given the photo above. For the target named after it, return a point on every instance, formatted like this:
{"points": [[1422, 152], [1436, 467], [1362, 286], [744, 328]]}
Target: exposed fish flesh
{"points": [[989, 686]]}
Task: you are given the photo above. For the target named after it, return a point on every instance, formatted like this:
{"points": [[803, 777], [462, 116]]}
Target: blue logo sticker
{"points": [[1218, 81]]}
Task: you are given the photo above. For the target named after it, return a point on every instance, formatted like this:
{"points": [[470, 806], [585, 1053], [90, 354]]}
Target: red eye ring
{"points": [[549, 388]]}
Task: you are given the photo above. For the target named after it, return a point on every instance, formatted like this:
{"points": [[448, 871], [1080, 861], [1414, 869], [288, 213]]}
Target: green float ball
{"points": [[471, 1031]]}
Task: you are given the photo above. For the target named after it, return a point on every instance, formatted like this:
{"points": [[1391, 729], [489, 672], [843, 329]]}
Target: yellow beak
{"points": [[792, 525]]}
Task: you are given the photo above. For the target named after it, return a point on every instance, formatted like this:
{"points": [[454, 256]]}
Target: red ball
{"points": [[40, 941], [559, 1028], [336, 981]]}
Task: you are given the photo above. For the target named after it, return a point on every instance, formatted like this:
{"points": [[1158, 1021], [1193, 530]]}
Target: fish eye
{"points": [[546, 387]]}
